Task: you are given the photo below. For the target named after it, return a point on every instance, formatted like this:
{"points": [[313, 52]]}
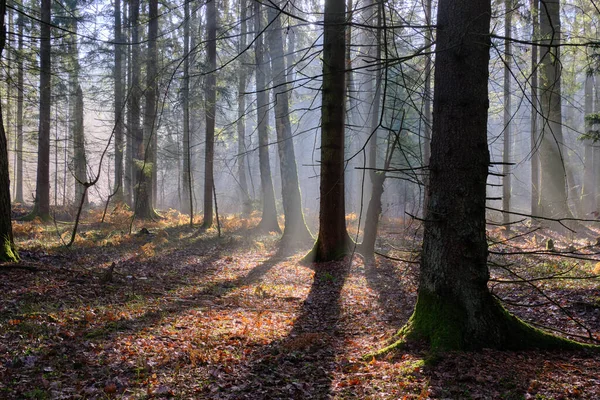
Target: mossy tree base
{"points": [[324, 251], [36, 213], [446, 326], [8, 252]]}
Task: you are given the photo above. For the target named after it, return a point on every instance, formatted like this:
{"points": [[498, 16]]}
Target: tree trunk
{"points": [[333, 241], [76, 111], [144, 208], [455, 309], [295, 232], [118, 77], [377, 178], [241, 121], [42, 191], [135, 131], [375, 111], [367, 247], [129, 176], [535, 153], [587, 191], [79, 159], [596, 154], [268, 221], [552, 157], [187, 205], [150, 118], [506, 154], [19, 165], [210, 106], [427, 106], [8, 251]]}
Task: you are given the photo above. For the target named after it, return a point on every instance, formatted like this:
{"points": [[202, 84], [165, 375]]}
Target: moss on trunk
{"points": [[8, 253], [447, 326]]}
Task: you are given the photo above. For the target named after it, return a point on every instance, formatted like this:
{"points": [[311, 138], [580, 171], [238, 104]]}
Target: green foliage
{"points": [[146, 166], [8, 252], [591, 134]]}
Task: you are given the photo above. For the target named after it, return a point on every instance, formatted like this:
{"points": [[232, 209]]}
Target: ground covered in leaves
{"points": [[171, 312]]}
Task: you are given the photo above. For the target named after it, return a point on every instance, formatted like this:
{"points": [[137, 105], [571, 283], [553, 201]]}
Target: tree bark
{"points": [[42, 191], [79, 159], [506, 154], [118, 106], [427, 105], [20, 70], [596, 154], [76, 109], [129, 175], [8, 251], [241, 121], [333, 241], [144, 208], [187, 200], [133, 112], [295, 232], [455, 309], [552, 157], [587, 191], [535, 153], [268, 221], [210, 106]]}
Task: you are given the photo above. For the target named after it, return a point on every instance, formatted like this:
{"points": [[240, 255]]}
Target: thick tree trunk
{"points": [[8, 251], [129, 174], [352, 176], [333, 241], [144, 206], [377, 178], [506, 154], [295, 232], [535, 153], [76, 111], [552, 157], [375, 111], [210, 101], [268, 221], [42, 192], [20, 70], [427, 105], [118, 129], [241, 121], [455, 309], [187, 205], [139, 170], [367, 247]]}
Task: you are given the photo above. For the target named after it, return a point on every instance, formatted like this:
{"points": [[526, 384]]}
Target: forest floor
{"points": [[175, 313]]}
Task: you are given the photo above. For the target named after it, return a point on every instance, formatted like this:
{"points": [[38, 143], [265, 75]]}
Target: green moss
{"points": [[340, 251], [443, 325], [439, 322], [146, 166], [520, 336], [8, 253]]}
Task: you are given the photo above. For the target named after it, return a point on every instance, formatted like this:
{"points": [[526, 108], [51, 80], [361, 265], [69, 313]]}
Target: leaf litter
{"points": [[189, 315]]}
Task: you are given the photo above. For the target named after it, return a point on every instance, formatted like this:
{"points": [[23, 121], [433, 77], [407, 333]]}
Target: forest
{"points": [[336, 199]]}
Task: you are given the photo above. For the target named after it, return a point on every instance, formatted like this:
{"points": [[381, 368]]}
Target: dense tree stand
{"points": [[455, 309]]}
